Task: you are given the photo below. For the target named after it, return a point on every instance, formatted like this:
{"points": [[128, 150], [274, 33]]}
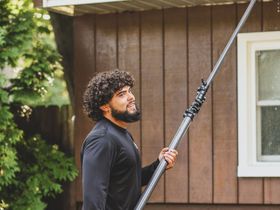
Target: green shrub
{"points": [[30, 169]]}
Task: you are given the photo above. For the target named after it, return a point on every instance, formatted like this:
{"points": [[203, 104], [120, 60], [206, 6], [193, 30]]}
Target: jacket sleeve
{"points": [[147, 172], [98, 157]]}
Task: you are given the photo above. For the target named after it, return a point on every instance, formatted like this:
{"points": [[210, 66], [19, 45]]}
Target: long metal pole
{"points": [[191, 112]]}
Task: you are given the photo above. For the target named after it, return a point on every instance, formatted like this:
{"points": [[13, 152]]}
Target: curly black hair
{"points": [[101, 89]]}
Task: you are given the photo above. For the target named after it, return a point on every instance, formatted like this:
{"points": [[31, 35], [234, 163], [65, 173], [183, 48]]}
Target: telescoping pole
{"points": [[191, 112]]}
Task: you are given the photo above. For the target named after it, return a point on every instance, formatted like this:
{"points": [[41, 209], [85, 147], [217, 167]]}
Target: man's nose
{"points": [[131, 96]]}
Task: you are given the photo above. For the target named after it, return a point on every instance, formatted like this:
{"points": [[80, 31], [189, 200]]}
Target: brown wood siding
{"points": [[200, 152], [152, 85], [175, 80], [224, 108], [168, 52], [106, 43]]}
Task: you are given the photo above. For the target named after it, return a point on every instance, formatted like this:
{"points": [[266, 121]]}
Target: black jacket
{"points": [[111, 169]]}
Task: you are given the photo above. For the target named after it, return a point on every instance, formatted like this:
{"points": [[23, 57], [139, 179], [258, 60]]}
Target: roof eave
{"points": [[78, 7]]}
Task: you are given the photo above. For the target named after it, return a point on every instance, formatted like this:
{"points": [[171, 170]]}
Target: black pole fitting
{"points": [[199, 99]]}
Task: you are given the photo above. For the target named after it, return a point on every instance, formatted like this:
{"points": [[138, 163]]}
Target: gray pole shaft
{"points": [[187, 120], [162, 165]]}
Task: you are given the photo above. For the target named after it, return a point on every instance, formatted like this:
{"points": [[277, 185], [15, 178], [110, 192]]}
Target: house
{"points": [[229, 159]]}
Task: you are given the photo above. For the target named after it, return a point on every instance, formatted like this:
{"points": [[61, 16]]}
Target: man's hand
{"points": [[169, 155]]}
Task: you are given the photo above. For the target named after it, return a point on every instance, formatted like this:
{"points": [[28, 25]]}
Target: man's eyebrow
{"points": [[123, 91], [120, 91]]}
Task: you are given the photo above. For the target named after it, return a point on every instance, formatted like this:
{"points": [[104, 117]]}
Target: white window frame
{"points": [[248, 163]]}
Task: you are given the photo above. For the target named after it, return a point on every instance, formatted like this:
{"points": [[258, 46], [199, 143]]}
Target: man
{"points": [[111, 166]]}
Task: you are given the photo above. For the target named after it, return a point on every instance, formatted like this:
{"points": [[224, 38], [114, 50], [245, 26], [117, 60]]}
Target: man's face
{"points": [[123, 105]]}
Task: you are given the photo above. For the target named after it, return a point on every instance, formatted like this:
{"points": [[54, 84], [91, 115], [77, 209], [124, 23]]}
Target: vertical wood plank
{"points": [[224, 108], [271, 22], [200, 133], [83, 70], [271, 18], [271, 191], [254, 21], [175, 65], [129, 58], [106, 42], [250, 190], [152, 92]]}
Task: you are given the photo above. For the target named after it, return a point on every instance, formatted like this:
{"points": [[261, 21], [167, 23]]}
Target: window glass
{"points": [[268, 71], [270, 130], [268, 65]]}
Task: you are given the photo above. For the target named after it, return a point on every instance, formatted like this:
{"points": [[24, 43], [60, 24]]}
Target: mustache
{"points": [[132, 103]]}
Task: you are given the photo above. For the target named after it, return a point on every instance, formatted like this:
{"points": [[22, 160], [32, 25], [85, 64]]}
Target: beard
{"points": [[125, 116]]}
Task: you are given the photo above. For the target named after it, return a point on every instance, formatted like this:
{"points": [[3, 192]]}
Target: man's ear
{"points": [[105, 108]]}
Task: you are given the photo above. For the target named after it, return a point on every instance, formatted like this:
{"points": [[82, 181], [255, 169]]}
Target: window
{"points": [[259, 104]]}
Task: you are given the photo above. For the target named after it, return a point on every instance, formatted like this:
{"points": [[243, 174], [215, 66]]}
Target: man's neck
{"points": [[119, 123]]}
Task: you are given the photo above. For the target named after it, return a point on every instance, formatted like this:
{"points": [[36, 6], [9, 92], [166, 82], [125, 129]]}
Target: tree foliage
{"points": [[30, 169]]}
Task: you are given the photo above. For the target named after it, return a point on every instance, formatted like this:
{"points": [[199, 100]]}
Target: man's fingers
{"points": [[170, 162], [170, 159], [170, 156], [165, 149], [173, 151]]}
